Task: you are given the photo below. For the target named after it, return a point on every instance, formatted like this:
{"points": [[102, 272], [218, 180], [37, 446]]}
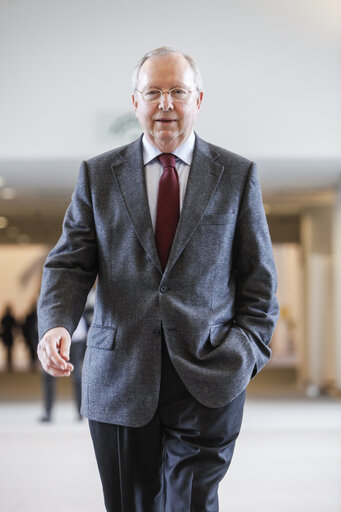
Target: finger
{"points": [[53, 355], [50, 365], [57, 373], [64, 349], [50, 368]]}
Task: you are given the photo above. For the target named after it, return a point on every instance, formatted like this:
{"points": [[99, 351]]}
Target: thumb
{"points": [[64, 349]]}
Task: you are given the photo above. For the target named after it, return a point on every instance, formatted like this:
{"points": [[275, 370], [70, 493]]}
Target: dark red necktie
{"points": [[168, 207]]}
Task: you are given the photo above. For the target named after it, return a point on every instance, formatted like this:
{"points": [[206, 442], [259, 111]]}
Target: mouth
{"points": [[165, 120]]}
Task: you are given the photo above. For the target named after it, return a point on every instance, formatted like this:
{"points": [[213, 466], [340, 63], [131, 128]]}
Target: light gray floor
{"points": [[287, 459]]}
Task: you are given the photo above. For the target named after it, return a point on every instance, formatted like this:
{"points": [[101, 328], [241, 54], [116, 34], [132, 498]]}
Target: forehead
{"points": [[166, 71]]}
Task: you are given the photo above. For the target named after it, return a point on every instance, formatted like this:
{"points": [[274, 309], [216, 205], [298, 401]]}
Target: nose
{"points": [[166, 102]]}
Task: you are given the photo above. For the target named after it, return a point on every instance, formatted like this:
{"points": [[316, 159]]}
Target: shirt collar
{"points": [[184, 152]]}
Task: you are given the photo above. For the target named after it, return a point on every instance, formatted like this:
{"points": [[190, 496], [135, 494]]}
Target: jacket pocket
{"points": [[101, 337], [219, 332]]}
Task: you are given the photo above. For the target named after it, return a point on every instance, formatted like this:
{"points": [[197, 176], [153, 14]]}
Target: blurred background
{"points": [[272, 82]]}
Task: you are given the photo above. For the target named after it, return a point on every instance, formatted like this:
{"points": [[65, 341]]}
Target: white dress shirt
{"points": [[153, 170]]}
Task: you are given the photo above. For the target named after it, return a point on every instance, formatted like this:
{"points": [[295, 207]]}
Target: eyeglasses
{"points": [[155, 95]]}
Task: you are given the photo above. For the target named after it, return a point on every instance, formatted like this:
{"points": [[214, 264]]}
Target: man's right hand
{"points": [[54, 352]]}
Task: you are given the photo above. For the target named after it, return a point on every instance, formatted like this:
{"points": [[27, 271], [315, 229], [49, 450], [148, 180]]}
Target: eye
{"points": [[179, 94], [151, 94]]}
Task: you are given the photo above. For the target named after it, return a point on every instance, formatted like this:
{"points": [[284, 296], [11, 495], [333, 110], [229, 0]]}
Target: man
{"points": [[175, 232]]}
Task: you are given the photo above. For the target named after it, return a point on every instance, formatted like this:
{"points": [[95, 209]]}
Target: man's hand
{"points": [[54, 351]]}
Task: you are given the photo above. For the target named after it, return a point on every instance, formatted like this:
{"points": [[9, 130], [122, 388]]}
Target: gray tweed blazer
{"points": [[215, 300]]}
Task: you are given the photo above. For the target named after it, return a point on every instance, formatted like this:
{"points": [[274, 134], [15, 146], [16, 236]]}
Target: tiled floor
{"points": [[287, 459]]}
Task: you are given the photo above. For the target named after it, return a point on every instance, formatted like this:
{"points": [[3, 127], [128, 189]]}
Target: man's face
{"points": [[166, 125]]}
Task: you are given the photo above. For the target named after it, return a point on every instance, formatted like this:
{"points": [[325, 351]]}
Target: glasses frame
{"points": [[169, 91]]}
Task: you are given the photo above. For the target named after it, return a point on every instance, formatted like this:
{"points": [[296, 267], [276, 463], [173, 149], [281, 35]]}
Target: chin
{"points": [[167, 133], [165, 138]]}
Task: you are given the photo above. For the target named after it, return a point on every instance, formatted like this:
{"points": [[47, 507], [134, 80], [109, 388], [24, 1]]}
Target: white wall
{"points": [[271, 70]]}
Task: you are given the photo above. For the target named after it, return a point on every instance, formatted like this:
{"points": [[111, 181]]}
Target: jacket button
{"points": [[156, 332], [164, 288]]}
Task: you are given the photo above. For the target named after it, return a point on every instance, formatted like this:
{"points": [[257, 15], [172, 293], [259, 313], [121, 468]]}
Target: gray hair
{"points": [[167, 50]]}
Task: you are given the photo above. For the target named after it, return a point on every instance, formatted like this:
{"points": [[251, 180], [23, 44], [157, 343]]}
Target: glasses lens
{"points": [[152, 95], [179, 94]]}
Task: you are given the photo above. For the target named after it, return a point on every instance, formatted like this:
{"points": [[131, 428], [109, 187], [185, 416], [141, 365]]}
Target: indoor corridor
{"points": [[271, 93]]}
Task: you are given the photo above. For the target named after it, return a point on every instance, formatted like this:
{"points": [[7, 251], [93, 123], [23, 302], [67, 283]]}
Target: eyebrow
{"points": [[182, 86]]}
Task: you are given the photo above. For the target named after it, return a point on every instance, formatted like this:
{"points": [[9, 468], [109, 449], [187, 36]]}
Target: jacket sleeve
{"points": [[256, 279], [71, 267]]}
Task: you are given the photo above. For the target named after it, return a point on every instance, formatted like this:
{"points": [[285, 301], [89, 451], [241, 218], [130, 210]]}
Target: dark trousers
{"points": [[176, 461]]}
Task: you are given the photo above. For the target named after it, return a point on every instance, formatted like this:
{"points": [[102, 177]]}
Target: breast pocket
{"points": [[101, 337], [219, 218]]}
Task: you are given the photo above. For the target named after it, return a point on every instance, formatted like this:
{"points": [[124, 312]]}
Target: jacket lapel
{"points": [[129, 174], [203, 179], [204, 176]]}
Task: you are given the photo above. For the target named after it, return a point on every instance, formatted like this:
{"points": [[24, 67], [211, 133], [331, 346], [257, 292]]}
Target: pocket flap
{"points": [[102, 337]]}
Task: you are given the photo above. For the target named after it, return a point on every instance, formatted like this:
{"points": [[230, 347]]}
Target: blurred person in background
{"points": [[174, 229], [30, 332], [8, 324], [77, 352]]}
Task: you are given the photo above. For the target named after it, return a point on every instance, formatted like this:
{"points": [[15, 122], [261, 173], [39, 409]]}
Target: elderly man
{"points": [[174, 230]]}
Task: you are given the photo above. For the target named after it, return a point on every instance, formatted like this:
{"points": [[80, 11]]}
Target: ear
{"points": [[199, 99], [134, 102]]}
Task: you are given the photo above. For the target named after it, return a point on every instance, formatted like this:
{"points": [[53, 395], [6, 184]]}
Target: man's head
{"points": [[167, 119]]}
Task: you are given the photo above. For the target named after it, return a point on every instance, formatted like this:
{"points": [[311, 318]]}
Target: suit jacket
{"points": [[215, 300]]}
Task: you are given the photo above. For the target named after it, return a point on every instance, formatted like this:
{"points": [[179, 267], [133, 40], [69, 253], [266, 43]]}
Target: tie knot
{"points": [[166, 160]]}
